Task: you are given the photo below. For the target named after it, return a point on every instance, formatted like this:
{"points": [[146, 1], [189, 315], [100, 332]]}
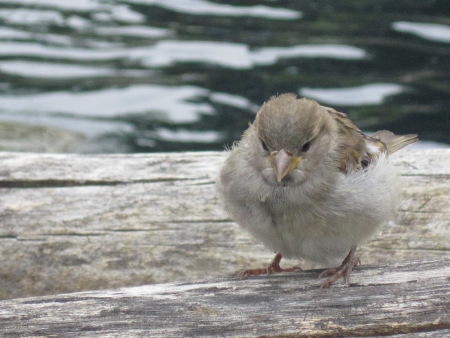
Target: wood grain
{"points": [[403, 299], [84, 222]]}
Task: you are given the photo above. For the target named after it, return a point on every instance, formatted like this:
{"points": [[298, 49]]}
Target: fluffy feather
{"points": [[341, 190]]}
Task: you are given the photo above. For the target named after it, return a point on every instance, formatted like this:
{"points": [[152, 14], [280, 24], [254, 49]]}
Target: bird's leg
{"points": [[274, 266], [341, 271]]}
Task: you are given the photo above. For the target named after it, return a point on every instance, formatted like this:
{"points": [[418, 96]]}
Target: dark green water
{"points": [[153, 75]]}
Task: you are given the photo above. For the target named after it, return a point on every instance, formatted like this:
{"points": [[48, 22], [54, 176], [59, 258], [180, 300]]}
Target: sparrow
{"points": [[310, 185]]}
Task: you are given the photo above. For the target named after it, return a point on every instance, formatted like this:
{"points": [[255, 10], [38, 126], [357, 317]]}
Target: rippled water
{"points": [[163, 75]]}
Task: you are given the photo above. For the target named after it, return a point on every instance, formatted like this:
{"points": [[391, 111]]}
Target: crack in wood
{"points": [[53, 183]]}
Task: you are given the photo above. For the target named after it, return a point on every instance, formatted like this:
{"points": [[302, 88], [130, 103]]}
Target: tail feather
{"points": [[395, 142]]}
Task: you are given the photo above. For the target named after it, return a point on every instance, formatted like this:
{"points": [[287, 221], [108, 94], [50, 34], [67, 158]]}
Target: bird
{"points": [[309, 184]]}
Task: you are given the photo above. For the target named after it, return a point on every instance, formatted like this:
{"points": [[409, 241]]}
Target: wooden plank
{"points": [[408, 298], [82, 222]]}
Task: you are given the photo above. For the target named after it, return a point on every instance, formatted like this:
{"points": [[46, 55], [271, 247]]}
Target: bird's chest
{"points": [[292, 210], [293, 223]]}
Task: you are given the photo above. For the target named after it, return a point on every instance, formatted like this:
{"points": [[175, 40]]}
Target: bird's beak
{"points": [[283, 163]]}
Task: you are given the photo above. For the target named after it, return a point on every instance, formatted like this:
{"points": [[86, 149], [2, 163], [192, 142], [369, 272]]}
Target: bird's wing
{"points": [[358, 150], [352, 146]]}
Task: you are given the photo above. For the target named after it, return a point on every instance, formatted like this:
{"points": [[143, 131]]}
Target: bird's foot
{"points": [[343, 270], [274, 266]]}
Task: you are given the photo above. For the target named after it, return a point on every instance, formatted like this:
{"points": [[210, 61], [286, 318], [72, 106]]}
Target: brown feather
{"points": [[353, 144], [394, 142], [354, 148]]}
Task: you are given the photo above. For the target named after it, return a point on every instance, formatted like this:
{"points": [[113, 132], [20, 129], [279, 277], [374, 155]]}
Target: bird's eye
{"points": [[264, 146], [306, 147]]}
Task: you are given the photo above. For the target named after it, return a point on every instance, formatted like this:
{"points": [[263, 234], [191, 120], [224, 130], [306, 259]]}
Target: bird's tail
{"points": [[395, 142]]}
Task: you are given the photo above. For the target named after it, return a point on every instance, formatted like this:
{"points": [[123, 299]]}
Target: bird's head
{"points": [[291, 131]]}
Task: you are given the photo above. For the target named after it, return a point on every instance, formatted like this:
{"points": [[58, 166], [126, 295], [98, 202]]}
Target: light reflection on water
{"points": [[428, 31], [170, 103], [203, 7], [371, 94], [154, 75]]}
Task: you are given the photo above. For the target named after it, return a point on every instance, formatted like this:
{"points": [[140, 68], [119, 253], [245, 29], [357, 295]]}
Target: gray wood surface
{"points": [[406, 299], [85, 222]]}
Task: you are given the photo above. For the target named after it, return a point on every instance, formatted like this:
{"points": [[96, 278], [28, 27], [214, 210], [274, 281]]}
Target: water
{"points": [[173, 75]]}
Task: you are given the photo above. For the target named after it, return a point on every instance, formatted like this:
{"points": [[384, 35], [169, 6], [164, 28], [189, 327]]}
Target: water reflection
{"points": [[53, 70], [208, 8], [371, 94], [427, 31], [169, 103], [167, 53], [155, 75]]}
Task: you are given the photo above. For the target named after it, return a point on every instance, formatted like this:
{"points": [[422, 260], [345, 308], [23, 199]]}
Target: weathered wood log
{"points": [[84, 222], [411, 298]]}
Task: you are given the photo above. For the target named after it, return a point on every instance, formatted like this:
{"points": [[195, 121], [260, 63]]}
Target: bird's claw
{"points": [[273, 267], [342, 271]]}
